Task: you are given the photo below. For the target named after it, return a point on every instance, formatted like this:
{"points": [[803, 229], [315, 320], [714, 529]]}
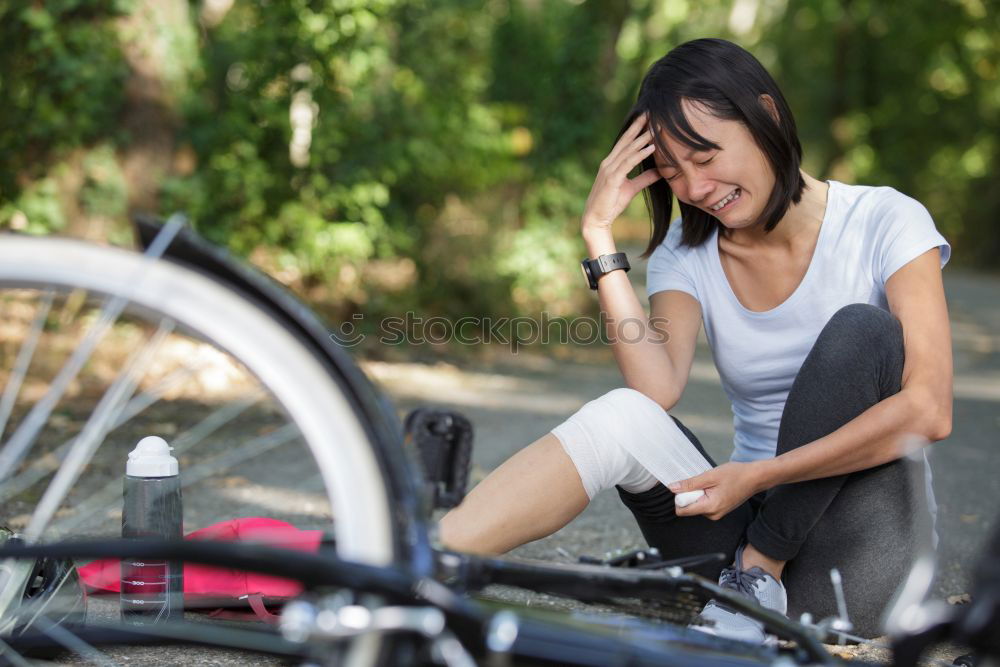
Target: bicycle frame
{"points": [[478, 628], [491, 630]]}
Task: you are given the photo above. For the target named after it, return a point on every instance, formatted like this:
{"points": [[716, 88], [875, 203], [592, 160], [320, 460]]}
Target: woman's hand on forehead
{"points": [[613, 189]]}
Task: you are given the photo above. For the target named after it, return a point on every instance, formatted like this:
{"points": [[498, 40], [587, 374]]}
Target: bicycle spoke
{"points": [[70, 641], [214, 422], [42, 466], [24, 357], [151, 396], [38, 606], [94, 431], [15, 448], [110, 494], [255, 447]]}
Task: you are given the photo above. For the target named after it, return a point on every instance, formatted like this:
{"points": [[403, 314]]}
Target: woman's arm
{"points": [[654, 354], [922, 407]]}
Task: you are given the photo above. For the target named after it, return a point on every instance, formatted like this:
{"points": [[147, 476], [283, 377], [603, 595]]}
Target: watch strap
{"points": [[613, 261], [595, 268]]}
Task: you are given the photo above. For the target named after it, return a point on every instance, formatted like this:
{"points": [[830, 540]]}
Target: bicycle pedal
{"points": [[443, 441]]}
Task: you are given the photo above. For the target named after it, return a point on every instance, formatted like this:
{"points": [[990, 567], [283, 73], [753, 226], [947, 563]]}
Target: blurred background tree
{"points": [[434, 155]]}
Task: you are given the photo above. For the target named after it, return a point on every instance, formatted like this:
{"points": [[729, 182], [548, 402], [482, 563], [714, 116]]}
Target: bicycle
{"points": [[386, 596]]}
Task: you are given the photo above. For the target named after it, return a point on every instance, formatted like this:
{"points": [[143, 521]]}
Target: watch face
{"points": [[588, 276]]}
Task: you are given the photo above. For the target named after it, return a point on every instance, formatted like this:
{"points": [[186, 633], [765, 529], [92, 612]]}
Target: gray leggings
{"points": [[863, 523]]}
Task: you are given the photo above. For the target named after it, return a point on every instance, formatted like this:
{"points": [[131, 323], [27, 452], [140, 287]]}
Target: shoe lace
{"points": [[741, 581]]}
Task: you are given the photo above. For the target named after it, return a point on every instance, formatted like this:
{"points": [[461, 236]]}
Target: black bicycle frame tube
{"points": [[594, 583], [39, 644], [470, 621], [310, 569]]}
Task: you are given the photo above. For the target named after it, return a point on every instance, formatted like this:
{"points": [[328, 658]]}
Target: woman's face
{"points": [[737, 174]]}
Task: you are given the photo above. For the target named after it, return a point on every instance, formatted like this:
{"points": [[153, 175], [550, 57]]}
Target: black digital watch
{"points": [[593, 269]]}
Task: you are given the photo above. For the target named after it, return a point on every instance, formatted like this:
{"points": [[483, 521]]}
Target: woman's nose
{"points": [[699, 188]]}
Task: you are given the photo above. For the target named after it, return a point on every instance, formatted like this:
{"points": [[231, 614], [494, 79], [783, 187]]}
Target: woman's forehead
{"points": [[670, 147], [708, 129], [700, 119], [698, 114]]}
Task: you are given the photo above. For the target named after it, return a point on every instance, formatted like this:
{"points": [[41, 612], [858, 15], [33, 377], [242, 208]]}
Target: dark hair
{"points": [[727, 81]]}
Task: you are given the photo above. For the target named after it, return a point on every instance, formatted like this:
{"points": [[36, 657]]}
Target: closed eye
{"points": [[661, 167], [699, 163]]}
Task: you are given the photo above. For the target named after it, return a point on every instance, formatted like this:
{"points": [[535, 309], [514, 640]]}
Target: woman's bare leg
{"points": [[531, 495]]}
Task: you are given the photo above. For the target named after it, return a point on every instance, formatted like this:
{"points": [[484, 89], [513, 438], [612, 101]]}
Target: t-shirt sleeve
{"points": [[665, 271], [905, 230]]}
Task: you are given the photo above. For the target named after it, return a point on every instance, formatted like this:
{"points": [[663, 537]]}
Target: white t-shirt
{"points": [[867, 234]]}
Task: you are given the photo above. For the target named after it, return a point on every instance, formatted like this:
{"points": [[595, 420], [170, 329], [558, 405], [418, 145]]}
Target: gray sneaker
{"points": [[718, 619]]}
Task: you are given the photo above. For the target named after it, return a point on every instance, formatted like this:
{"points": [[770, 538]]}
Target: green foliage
{"points": [[436, 154], [539, 259], [902, 96], [390, 126], [37, 209], [104, 191], [61, 81]]}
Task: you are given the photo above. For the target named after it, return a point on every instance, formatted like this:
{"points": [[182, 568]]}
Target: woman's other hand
{"points": [[613, 189], [726, 488]]}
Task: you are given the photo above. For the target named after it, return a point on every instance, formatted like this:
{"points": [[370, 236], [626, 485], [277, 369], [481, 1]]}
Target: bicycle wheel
{"points": [[258, 423]]}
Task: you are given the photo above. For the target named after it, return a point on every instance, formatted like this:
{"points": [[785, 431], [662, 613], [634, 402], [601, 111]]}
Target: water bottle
{"points": [[151, 590]]}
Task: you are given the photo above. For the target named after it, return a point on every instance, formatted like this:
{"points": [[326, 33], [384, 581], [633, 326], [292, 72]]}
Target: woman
{"points": [[825, 311]]}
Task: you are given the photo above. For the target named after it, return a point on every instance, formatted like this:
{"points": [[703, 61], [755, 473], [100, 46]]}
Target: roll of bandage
{"points": [[688, 497]]}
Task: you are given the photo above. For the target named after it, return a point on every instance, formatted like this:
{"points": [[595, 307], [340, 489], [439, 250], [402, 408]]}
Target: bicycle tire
{"points": [[331, 427]]}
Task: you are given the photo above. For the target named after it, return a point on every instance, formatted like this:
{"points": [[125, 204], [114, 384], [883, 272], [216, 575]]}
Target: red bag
{"points": [[215, 587]]}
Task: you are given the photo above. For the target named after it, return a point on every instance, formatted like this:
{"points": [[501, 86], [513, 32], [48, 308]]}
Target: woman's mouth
{"points": [[726, 202]]}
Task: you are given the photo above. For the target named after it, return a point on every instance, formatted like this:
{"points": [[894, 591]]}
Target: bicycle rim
{"points": [[262, 427]]}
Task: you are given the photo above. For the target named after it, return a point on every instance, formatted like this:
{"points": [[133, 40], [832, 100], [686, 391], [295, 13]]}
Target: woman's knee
{"points": [[875, 325], [628, 401], [623, 414], [624, 438], [859, 333], [593, 438], [626, 398]]}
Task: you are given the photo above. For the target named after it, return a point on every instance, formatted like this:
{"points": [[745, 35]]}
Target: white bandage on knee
{"points": [[626, 438]]}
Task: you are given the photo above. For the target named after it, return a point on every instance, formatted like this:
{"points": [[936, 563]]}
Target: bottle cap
{"points": [[151, 458]]}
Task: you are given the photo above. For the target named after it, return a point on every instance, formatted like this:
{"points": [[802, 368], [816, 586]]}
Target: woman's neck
{"points": [[799, 219]]}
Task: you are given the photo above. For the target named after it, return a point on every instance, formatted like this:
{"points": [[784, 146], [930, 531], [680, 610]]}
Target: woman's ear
{"points": [[772, 109]]}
